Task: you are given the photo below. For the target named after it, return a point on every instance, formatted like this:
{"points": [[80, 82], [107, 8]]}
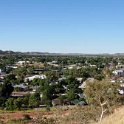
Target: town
{"points": [[29, 81], [61, 62]]}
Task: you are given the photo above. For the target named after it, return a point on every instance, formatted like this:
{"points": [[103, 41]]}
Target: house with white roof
{"points": [[21, 63], [119, 72], [34, 77]]}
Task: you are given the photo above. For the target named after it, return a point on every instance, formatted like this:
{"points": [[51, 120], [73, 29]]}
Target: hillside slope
{"points": [[116, 118]]}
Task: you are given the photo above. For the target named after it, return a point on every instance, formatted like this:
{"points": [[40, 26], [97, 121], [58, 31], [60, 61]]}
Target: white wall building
{"points": [[21, 63], [34, 77], [119, 72]]}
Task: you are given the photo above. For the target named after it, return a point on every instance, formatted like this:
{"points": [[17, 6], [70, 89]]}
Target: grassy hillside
{"points": [[116, 118]]}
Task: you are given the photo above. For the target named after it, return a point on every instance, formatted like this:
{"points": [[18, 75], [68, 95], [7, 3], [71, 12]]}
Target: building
{"points": [[22, 63], [21, 87], [119, 73], [39, 71], [19, 94], [34, 77]]}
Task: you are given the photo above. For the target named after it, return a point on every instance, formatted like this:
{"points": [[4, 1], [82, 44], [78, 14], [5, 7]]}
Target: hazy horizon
{"points": [[60, 52], [89, 27]]}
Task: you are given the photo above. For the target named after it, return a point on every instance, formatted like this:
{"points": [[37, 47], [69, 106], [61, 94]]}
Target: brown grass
{"points": [[116, 118], [76, 115]]}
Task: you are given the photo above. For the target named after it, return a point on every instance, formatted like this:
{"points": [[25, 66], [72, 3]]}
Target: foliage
{"points": [[102, 91], [34, 100], [10, 104], [18, 103], [71, 95], [20, 73], [6, 90], [81, 115], [11, 78], [2, 102], [73, 88], [43, 120], [14, 104], [26, 101]]}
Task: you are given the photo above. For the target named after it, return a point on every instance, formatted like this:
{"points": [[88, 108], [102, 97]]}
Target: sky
{"points": [[62, 26]]}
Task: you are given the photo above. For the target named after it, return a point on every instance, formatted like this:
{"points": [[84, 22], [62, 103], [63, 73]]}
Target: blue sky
{"points": [[69, 26]]}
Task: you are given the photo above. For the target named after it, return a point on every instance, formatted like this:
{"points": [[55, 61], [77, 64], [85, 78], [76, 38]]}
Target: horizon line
{"points": [[61, 52]]}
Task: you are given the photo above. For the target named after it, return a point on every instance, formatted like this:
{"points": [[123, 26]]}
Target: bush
{"points": [[44, 120], [10, 104], [26, 117], [81, 115], [18, 121], [18, 103], [34, 100]]}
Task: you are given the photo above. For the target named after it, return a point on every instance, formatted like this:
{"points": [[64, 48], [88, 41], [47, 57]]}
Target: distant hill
{"points": [[9, 52], [6, 52]]}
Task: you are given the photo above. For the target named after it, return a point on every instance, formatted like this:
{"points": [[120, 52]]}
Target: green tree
{"points": [[73, 89], [25, 101], [101, 91], [71, 95], [103, 95], [11, 78], [10, 104], [6, 90], [18, 103], [34, 100], [47, 91], [20, 73], [2, 102]]}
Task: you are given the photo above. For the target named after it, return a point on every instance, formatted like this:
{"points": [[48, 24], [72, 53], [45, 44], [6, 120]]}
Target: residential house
{"points": [[72, 66], [89, 80], [22, 63], [119, 66], [119, 73], [19, 94], [34, 77], [21, 87], [79, 79]]}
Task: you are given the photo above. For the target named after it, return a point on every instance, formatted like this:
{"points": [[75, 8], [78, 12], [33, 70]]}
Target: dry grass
{"points": [[116, 118], [76, 115]]}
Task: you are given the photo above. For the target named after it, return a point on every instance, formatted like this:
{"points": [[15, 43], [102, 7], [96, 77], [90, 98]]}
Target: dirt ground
{"points": [[7, 116]]}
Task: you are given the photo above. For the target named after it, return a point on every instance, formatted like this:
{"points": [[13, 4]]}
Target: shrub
{"points": [[26, 117], [43, 120]]}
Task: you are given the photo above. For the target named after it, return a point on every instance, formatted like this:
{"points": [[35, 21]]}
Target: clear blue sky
{"points": [[74, 26]]}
